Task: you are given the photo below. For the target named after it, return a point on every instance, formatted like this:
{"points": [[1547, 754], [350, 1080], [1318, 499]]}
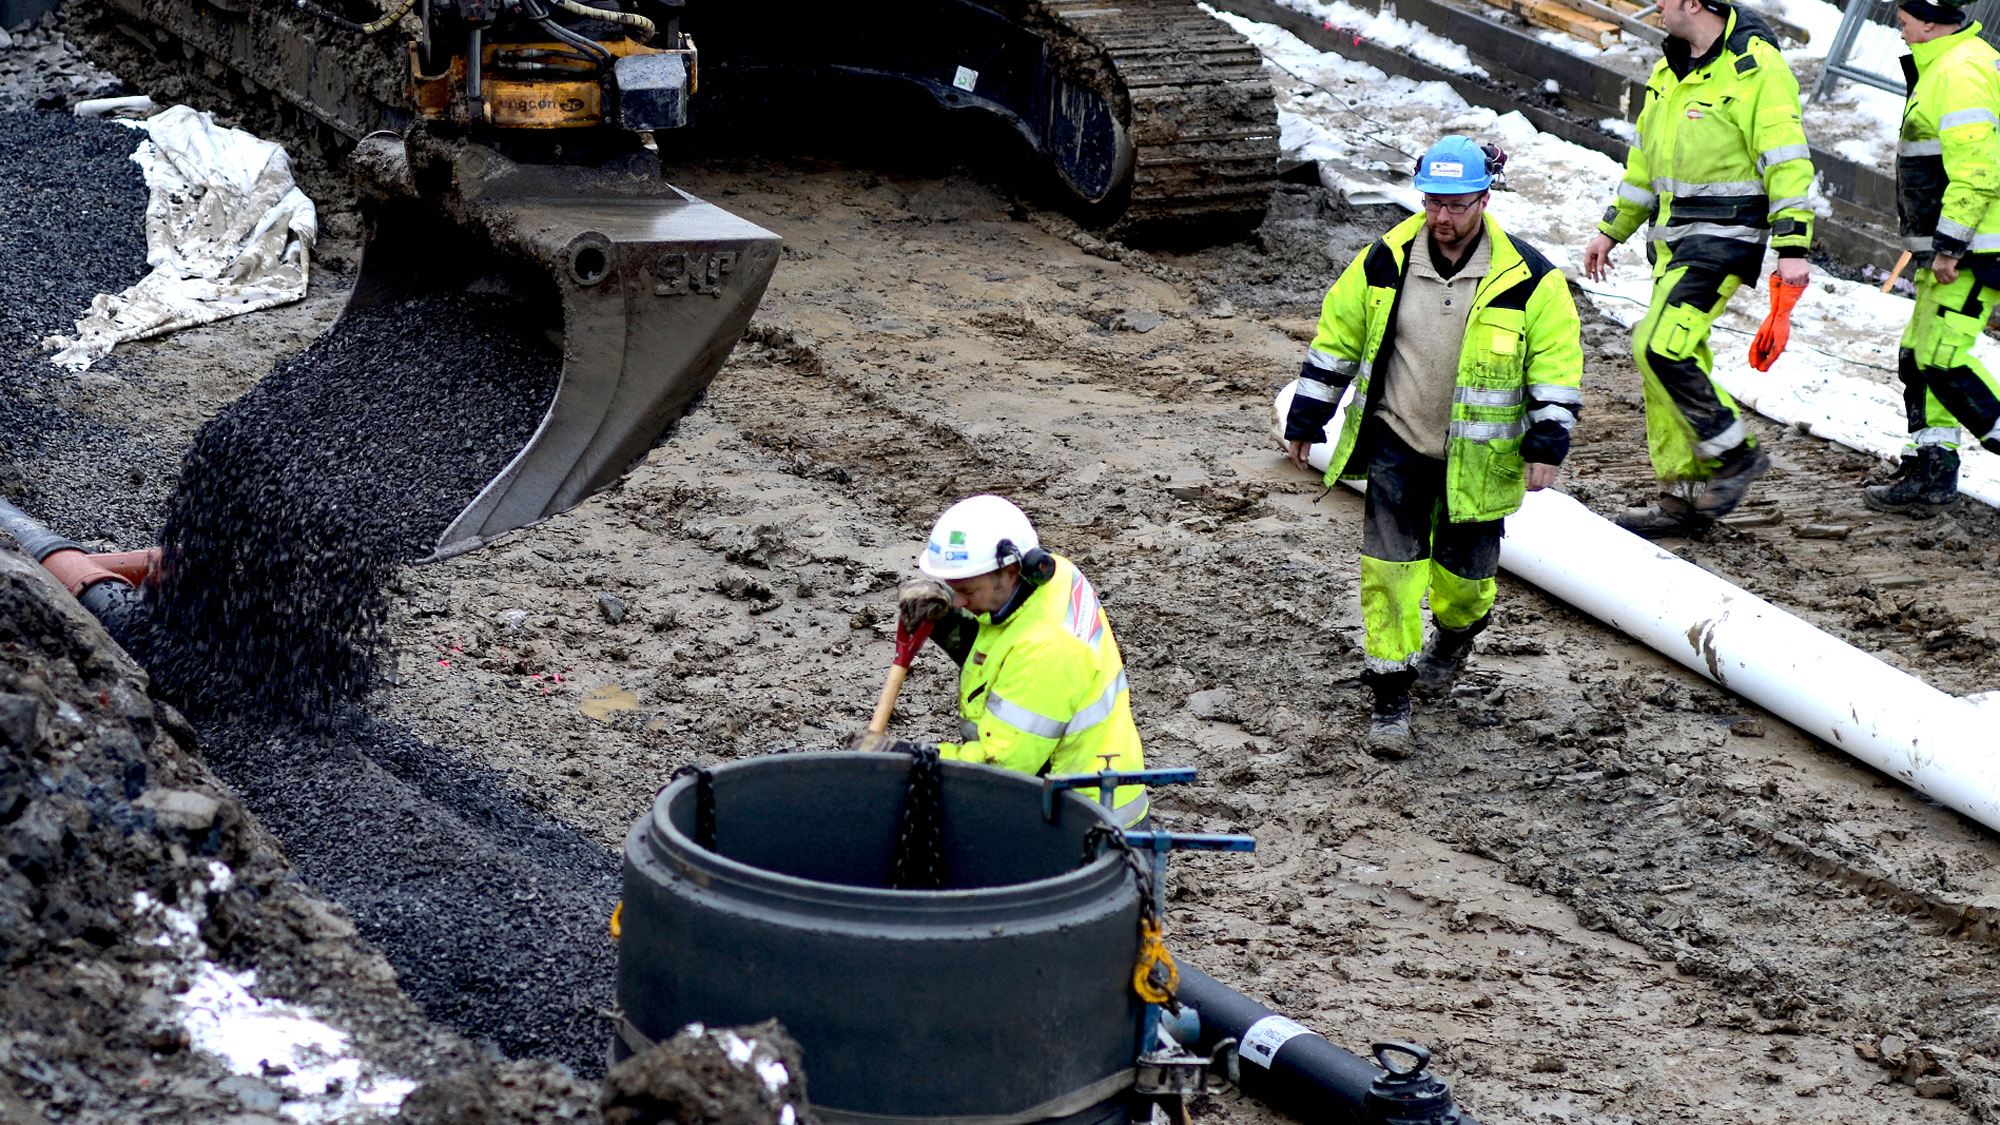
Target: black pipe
{"points": [[37, 540], [1307, 1077], [115, 602]]}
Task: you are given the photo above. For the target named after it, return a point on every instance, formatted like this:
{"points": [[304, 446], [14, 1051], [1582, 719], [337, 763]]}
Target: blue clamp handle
{"points": [[1190, 842], [1106, 781]]}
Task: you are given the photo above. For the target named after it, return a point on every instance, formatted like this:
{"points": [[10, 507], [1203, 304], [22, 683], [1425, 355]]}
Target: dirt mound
{"points": [[742, 1076], [124, 856]]}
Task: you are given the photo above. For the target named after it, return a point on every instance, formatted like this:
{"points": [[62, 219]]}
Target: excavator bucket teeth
{"points": [[654, 288]]}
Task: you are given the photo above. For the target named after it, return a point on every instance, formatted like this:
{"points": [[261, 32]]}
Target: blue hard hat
{"points": [[1453, 166]]}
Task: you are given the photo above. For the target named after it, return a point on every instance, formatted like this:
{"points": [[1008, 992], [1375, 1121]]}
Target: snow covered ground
{"points": [[1837, 379], [1855, 120]]}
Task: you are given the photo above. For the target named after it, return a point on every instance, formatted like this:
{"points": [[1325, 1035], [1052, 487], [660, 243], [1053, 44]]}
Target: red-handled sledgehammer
{"points": [[907, 644]]}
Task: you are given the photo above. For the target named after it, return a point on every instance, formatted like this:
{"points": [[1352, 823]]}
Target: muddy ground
{"points": [[1608, 890]]}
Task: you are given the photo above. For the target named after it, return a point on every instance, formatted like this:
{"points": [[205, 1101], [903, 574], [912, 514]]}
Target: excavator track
{"points": [[1198, 144], [1202, 122]]}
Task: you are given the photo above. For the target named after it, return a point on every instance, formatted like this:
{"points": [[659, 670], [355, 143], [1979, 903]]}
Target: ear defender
{"points": [[1037, 565]]}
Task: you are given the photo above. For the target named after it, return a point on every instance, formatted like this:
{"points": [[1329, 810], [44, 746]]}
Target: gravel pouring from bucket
{"points": [[1004, 995], [648, 287]]}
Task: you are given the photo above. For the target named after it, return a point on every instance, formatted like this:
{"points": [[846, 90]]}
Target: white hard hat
{"points": [[965, 540]]}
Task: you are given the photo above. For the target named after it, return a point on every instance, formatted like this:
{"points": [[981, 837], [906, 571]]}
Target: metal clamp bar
{"points": [[1106, 781]]}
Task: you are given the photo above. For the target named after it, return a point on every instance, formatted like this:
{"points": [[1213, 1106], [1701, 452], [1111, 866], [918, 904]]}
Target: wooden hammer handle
{"points": [[1897, 272], [891, 687]]}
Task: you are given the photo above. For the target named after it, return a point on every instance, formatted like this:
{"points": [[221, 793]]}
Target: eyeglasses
{"points": [[1451, 208]]}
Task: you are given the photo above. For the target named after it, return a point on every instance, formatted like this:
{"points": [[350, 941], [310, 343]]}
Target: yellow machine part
{"points": [[513, 103]]}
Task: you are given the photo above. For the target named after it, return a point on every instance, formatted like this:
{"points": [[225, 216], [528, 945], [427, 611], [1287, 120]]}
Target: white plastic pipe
{"points": [[99, 107], [1877, 714]]}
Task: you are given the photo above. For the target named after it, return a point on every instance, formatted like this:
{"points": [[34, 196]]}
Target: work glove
{"points": [[869, 742], [921, 599], [1777, 327]]}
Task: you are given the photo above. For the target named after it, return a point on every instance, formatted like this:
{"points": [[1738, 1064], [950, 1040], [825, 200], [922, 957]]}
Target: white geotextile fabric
{"points": [[227, 232]]}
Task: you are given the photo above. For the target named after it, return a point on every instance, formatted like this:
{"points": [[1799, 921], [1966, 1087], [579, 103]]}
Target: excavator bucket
{"points": [[654, 288]]}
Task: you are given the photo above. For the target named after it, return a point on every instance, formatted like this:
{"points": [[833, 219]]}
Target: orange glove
{"points": [[1777, 327]]}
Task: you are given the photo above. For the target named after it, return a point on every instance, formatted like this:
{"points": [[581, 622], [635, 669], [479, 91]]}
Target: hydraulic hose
{"points": [[645, 27], [345, 24], [534, 11], [1284, 1064]]}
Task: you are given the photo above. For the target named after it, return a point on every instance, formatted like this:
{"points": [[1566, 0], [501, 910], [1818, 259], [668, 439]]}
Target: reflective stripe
{"points": [[1483, 396], [1327, 361], [968, 731], [1938, 435], [1033, 722], [1932, 147], [1556, 392], [1781, 154], [1723, 442], [1020, 718], [1790, 203], [1099, 711], [1973, 116], [1992, 434], [1687, 189], [1559, 414], [1953, 229], [1981, 242], [1379, 665], [1915, 242], [1633, 193], [1488, 431], [1132, 811], [1709, 230], [1315, 390]]}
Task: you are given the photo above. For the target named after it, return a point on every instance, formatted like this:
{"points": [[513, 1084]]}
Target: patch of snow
{"points": [[1858, 122], [1619, 127], [257, 1037], [285, 1045], [1380, 27], [1820, 19]]}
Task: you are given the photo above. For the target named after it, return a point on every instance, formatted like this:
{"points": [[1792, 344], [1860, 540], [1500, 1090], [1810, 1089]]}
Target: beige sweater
{"points": [[1430, 330]]}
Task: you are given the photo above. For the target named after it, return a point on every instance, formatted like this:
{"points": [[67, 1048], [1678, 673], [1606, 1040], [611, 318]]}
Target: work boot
{"points": [[1667, 517], [1389, 727], [1731, 482], [1926, 482], [1444, 656]]}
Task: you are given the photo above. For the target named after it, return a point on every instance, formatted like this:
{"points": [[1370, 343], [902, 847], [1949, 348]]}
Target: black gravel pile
{"points": [[495, 917], [297, 504], [72, 225]]}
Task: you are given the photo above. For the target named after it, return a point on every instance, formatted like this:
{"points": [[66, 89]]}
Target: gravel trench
{"points": [[72, 225]]}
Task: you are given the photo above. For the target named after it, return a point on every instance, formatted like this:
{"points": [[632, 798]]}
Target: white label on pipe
{"points": [[1260, 1043]]}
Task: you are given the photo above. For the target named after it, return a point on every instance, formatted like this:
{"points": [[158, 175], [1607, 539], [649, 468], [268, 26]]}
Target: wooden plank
{"points": [[1624, 21], [1575, 24]]}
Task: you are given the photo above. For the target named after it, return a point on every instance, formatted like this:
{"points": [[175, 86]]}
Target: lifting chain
{"points": [[1155, 977], [917, 864], [704, 804]]}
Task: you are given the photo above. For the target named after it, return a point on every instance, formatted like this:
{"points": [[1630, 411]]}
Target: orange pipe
{"points": [[133, 566], [80, 571]]}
